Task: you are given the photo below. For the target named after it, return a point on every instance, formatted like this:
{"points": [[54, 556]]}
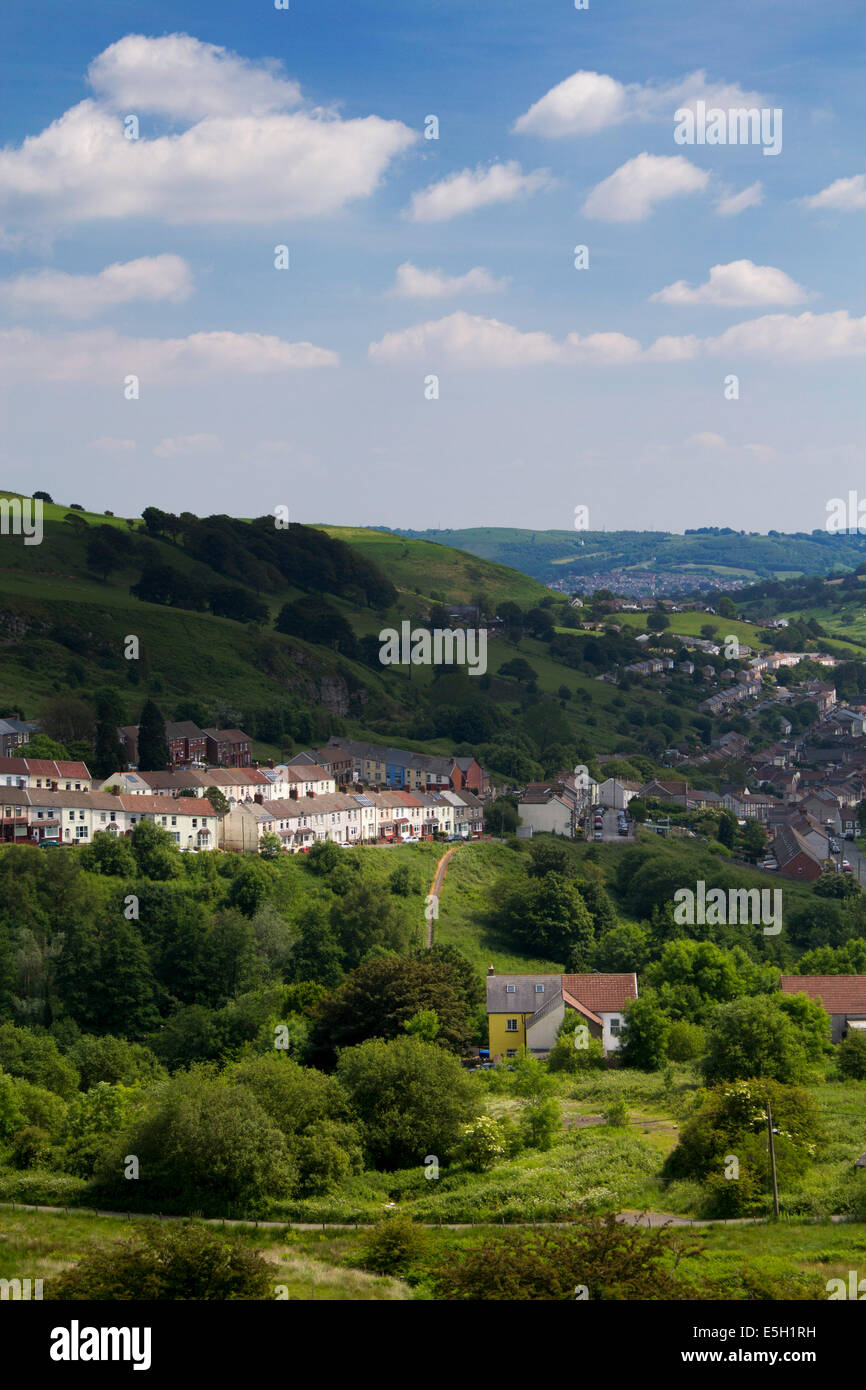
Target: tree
{"points": [[412, 1098], [43, 497], [156, 853], [153, 753], [270, 845], [109, 854], [362, 918], [217, 801], [380, 997], [518, 669], [645, 1039], [481, 1144], [754, 840], [727, 829], [851, 1056], [392, 1245], [109, 754], [37, 1059], [167, 1264], [549, 918], [205, 1145], [66, 719], [753, 1037]]}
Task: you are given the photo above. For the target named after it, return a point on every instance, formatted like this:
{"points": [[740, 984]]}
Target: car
{"points": [[834, 847], [597, 835], [849, 834], [846, 867]]}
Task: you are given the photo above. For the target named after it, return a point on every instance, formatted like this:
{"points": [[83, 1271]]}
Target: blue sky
{"points": [[453, 258]]}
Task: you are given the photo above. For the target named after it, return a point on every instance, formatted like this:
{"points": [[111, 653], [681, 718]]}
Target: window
{"points": [[112, 814], [174, 820], [539, 989], [614, 1027], [511, 1025], [81, 832], [72, 815], [511, 989], [511, 1052]]}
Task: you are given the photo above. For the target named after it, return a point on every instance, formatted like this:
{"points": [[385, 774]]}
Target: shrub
{"points": [[686, 1041], [481, 1144], [165, 1263], [392, 1245], [851, 1056], [617, 1114]]}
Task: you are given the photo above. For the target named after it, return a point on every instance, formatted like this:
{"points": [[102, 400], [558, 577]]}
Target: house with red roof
{"points": [[843, 997], [526, 1011]]}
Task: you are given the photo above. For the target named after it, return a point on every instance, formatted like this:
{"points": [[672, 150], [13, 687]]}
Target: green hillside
{"points": [[713, 552]]}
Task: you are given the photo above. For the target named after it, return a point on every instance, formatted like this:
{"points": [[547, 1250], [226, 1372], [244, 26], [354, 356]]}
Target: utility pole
{"points": [[772, 1150]]}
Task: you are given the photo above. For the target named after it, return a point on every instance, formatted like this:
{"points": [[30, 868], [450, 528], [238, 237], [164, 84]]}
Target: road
{"points": [[610, 831]]}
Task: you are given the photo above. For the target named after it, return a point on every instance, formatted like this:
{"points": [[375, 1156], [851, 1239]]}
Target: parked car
{"points": [[834, 847], [846, 867], [598, 835], [849, 834]]}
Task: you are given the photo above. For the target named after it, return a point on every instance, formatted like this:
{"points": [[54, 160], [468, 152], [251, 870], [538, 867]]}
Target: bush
{"points": [[168, 1263], [617, 1114], [686, 1041], [851, 1056], [31, 1148], [481, 1144], [392, 1245]]}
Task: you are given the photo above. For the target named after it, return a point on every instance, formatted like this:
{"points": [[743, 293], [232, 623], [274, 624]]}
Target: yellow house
{"points": [[526, 1011], [512, 1001]]}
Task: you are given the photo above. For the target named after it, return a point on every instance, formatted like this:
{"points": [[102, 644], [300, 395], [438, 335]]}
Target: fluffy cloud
{"points": [[469, 341], [174, 446], [233, 165], [738, 284], [631, 192], [414, 283], [845, 195], [732, 204], [178, 76], [590, 101], [149, 279], [785, 338], [475, 188], [707, 440], [103, 356], [466, 340]]}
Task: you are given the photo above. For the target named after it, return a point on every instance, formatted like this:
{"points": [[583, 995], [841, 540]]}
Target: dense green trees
{"points": [[168, 1263], [153, 752], [412, 1098]]}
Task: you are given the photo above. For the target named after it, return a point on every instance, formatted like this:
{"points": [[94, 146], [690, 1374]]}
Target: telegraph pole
{"points": [[772, 1151]]}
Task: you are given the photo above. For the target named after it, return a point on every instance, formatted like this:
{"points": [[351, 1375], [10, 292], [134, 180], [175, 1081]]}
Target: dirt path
{"points": [[631, 1218], [436, 889]]}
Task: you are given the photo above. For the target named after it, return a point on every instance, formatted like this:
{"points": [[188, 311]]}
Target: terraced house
{"points": [[46, 816]]}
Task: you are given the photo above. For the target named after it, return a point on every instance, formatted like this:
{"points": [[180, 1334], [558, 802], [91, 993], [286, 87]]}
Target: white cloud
{"points": [[109, 444], [590, 101], [707, 440], [845, 195], [630, 193], [150, 279], [103, 356], [762, 452], [414, 283], [470, 341], [466, 340], [738, 284], [582, 104], [233, 165], [783, 337], [475, 188], [178, 76], [732, 204], [174, 446]]}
